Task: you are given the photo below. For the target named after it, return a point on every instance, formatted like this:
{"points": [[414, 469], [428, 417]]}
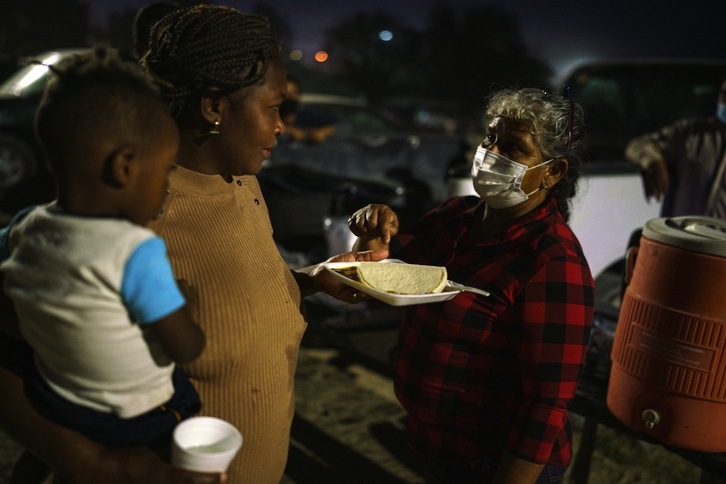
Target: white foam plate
{"points": [[387, 297]]}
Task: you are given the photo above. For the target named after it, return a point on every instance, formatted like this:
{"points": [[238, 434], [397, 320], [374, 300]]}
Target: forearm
{"points": [[643, 151], [369, 243]]}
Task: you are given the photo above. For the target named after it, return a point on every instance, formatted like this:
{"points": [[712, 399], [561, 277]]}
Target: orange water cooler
{"points": [[668, 375]]}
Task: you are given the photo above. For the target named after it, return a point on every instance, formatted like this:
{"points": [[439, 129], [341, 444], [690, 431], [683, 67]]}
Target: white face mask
{"points": [[498, 180]]}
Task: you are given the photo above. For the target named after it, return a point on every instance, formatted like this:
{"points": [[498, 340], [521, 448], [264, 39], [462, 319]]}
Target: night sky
{"points": [[561, 32]]}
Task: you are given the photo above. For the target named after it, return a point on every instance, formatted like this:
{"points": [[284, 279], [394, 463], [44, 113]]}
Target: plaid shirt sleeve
{"points": [[556, 310]]}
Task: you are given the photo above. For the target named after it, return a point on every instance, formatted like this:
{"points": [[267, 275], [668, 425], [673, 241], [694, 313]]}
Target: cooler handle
{"points": [[705, 227], [630, 257]]}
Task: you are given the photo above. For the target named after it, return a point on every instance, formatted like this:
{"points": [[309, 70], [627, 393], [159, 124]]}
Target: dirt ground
{"points": [[364, 400], [349, 428]]}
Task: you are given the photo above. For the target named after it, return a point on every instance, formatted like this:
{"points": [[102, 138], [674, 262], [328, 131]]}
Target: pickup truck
{"points": [[623, 99]]}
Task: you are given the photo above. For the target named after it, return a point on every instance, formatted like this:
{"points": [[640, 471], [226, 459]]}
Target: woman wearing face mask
{"points": [[486, 381]]}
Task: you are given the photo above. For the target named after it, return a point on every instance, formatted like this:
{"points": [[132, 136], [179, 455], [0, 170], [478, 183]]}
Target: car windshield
{"points": [[621, 102], [352, 119], [31, 79]]}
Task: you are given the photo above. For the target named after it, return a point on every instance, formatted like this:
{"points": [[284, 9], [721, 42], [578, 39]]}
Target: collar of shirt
{"points": [[546, 209]]}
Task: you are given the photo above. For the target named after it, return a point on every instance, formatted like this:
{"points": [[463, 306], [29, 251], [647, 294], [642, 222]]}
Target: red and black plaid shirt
{"points": [[478, 375]]}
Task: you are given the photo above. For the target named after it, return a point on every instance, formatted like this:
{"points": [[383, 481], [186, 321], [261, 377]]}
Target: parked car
{"points": [[312, 188], [24, 178], [622, 100]]}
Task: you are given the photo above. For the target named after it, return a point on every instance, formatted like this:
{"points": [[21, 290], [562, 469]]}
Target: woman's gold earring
{"points": [[214, 130], [546, 184]]}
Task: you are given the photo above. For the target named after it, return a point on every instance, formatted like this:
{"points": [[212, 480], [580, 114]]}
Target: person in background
{"points": [[222, 75], [144, 19], [486, 380], [303, 123], [684, 164]]}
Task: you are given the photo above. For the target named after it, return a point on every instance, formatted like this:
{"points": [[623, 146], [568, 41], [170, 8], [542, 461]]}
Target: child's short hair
{"points": [[94, 99]]}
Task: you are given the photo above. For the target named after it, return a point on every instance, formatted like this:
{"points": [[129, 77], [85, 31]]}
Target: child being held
{"points": [[93, 288]]}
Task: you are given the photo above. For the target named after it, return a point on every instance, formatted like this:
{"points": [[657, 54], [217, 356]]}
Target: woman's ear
{"points": [[120, 167], [557, 170], [211, 105]]}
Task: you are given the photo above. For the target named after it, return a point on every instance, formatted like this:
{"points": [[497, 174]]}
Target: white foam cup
{"points": [[205, 444]]}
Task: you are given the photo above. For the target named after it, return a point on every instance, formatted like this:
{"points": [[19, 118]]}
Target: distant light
{"points": [[296, 55], [385, 35], [321, 56], [423, 116]]}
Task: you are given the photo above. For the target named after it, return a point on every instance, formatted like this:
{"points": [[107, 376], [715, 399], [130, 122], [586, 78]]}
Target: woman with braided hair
{"points": [[223, 78]]}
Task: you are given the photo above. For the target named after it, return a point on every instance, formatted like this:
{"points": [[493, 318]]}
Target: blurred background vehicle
{"points": [[311, 188], [373, 155], [24, 177]]}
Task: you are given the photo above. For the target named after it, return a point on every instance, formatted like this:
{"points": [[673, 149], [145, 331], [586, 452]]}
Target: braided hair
{"points": [[559, 132], [205, 46]]}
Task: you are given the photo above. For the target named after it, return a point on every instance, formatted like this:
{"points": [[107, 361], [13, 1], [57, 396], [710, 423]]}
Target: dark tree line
{"points": [[31, 26], [456, 59]]}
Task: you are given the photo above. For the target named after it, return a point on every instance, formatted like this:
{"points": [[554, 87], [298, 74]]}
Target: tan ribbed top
{"points": [[219, 239]]}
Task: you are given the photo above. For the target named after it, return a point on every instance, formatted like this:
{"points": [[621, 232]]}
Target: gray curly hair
{"points": [[558, 127]]}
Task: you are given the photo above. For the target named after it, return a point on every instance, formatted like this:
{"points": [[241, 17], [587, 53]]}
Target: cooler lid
{"points": [[706, 235]]}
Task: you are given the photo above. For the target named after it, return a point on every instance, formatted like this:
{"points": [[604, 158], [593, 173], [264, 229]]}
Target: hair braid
{"points": [[204, 46]]}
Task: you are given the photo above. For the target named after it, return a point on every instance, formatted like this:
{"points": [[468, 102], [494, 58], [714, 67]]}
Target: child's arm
{"points": [[180, 336], [162, 305]]}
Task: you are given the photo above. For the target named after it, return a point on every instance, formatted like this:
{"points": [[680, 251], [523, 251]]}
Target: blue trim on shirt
{"points": [[148, 287]]}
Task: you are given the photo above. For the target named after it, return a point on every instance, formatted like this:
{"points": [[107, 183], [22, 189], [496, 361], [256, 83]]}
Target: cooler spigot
{"points": [[651, 418]]}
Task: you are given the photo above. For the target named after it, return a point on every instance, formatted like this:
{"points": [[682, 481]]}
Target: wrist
{"points": [[306, 281], [649, 163]]}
